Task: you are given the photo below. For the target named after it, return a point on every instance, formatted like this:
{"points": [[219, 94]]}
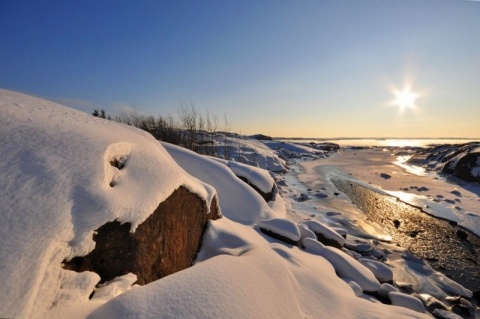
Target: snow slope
{"points": [[256, 280], [55, 190], [237, 200]]}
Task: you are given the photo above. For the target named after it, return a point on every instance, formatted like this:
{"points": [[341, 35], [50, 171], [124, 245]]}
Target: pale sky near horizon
{"points": [[324, 68]]}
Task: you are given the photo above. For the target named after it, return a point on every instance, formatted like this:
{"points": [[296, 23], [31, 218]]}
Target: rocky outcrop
{"points": [[261, 137], [325, 146], [460, 160], [466, 166], [163, 244]]}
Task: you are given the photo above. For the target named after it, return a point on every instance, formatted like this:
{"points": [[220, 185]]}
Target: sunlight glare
{"points": [[405, 99]]}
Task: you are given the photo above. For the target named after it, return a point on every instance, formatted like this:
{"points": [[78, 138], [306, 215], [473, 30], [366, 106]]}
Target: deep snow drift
{"points": [[56, 188]]}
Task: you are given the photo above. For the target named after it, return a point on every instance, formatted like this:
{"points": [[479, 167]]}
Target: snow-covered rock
{"points": [[166, 242], [64, 174], [325, 234], [254, 175], [282, 229], [238, 201], [349, 268], [461, 160], [386, 288], [258, 178], [305, 232], [381, 271], [407, 301], [313, 246]]}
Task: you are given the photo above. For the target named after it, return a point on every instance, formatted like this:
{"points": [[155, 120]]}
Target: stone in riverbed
{"points": [[462, 234]]}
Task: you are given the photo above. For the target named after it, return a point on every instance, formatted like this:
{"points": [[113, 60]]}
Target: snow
{"points": [[115, 287], [251, 152], [281, 226], [291, 147], [237, 200], [55, 181], [56, 189], [313, 246], [306, 233], [257, 176], [349, 268], [386, 288], [270, 280], [379, 270], [407, 301], [326, 231]]}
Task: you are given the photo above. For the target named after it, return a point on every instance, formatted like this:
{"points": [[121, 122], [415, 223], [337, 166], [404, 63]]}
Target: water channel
{"points": [[449, 248]]}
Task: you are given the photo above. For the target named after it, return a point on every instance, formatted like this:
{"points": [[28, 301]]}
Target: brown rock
{"points": [[163, 244]]}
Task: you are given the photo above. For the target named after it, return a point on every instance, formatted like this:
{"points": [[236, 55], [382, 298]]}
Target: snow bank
{"points": [[281, 228], [407, 301], [57, 185], [349, 268], [382, 272], [291, 147], [256, 176], [238, 201], [322, 230], [249, 151], [266, 281]]}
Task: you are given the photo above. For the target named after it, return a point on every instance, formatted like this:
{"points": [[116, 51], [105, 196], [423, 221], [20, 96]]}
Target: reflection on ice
{"points": [[416, 170], [442, 209]]}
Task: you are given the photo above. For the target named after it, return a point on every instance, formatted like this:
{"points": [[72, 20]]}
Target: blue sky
{"points": [[324, 68]]}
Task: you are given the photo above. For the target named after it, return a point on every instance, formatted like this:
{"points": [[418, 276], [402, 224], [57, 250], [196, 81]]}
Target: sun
{"points": [[405, 99]]}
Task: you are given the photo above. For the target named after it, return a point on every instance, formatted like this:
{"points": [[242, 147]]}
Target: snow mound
{"points": [[64, 174], [325, 234], [256, 176], [313, 246], [281, 228], [249, 151], [270, 281], [305, 232], [238, 201], [382, 272], [407, 301], [349, 268]]}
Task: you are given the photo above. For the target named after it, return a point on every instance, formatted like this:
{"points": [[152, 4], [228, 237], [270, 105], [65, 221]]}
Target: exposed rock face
{"points": [[163, 244]]}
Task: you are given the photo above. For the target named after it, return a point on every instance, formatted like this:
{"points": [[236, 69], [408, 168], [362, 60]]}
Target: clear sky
{"points": [[312, 68]]}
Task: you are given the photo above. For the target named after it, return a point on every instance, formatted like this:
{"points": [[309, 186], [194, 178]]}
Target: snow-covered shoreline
{"points": [[56, 161]]}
